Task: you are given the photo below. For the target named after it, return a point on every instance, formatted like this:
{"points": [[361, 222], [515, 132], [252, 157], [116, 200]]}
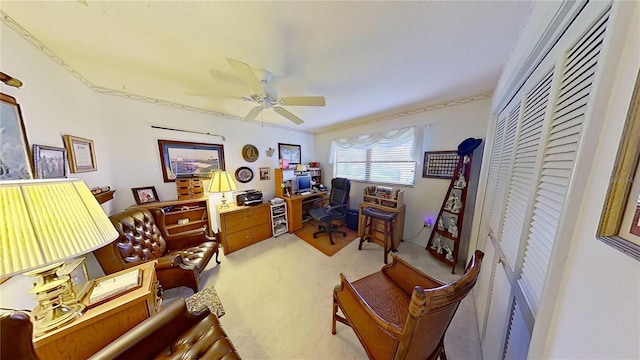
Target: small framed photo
{"points": [[145, 195], [290, 152], [49, 162], [265, 173], [82, 156]]}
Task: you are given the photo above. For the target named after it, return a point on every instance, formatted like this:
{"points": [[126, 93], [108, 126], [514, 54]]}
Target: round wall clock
{"points": [[244, 174], [250, 153]]}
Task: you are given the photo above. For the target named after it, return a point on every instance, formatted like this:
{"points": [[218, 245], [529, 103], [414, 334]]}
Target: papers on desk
{"points": [[111, 287]]}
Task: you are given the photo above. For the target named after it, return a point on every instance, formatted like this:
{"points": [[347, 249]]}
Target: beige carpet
{"points": [[322, 243], [277, 298]]}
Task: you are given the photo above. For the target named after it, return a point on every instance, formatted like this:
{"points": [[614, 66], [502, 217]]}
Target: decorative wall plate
{"points": [[250, 153], [244, 174]]}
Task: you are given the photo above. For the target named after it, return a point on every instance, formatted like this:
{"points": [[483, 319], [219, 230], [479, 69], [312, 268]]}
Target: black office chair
{"points": [[337, 209]]}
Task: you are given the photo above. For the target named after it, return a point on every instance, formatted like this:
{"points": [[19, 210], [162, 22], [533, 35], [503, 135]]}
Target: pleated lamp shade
{"points": [[47, 221], [221, 182]]}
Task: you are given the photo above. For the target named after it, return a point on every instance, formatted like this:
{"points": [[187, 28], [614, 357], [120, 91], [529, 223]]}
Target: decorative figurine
{"points": [[461, 183], [453, 203], [457, 205], [453, 227], [440, 224], [436, 244], [449, 252]]}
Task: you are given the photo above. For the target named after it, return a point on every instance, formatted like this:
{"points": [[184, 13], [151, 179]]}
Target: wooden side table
{"points": [[103, 323]]}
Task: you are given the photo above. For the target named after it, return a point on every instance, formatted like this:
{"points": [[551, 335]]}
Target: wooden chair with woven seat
{"points": [[400, 312]]}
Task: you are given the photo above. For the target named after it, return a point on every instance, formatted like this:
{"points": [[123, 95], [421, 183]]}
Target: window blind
{"points": [[389, 162]]}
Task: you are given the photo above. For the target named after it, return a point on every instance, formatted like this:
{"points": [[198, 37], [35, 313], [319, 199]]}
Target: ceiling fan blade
{"points": [[288, 115], [247, 75], [253, 114], [302, 100]]}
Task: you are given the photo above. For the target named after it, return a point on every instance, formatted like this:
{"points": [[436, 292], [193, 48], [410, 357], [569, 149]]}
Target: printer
{"points": [[249, 197]]}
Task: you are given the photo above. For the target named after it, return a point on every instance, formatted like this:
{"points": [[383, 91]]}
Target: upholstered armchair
{"points": [[181, 258], [400, 312], [173, 333]]}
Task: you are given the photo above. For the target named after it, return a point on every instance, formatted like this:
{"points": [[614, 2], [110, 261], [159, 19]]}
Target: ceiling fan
{"points": [[266, 96]]}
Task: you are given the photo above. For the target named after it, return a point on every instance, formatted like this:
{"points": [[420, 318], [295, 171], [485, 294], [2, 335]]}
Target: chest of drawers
{"points": [[241, 226]]}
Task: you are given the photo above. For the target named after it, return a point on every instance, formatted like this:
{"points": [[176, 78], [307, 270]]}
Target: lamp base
{"points": [[52, 312], [224, 202]]}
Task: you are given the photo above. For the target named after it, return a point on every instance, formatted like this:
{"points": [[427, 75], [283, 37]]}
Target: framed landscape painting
{"points": [[14, 152], [183, 159]]}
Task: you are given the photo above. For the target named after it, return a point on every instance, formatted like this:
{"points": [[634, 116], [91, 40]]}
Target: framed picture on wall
{"points": [[290, 153], [15, 162], [440, 164], [82, 156], [183, 159], [49, 162], [265, 173], [619, 225]]}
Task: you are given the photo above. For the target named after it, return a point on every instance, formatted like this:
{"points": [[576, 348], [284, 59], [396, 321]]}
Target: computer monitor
{"points": [[303, 182]]}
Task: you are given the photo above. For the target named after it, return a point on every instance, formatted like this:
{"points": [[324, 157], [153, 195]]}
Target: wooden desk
{"points": [[104, 323], [295, 206]]}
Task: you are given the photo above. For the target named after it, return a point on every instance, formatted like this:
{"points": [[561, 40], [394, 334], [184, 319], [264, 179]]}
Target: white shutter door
{"points": [[518, 338], [524, 168], [494, 172], [559, 156]]}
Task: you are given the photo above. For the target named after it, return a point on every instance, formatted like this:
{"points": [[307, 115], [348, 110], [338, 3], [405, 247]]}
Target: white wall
{"points": [[444, 129], [53, 103], [134, 154]]}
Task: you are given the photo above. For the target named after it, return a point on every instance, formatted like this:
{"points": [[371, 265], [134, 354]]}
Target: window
{"points": [[386, 158]]}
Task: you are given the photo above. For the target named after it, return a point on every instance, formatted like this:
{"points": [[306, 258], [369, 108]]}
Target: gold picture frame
{"points": [[619, 226], [82, 156], [15, 161]]}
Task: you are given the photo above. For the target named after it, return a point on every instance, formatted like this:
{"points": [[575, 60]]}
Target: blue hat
{"points": [[467, 146]]}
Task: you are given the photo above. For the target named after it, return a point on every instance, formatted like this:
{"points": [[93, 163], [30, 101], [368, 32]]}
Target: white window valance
{"points": [[383, 139]]}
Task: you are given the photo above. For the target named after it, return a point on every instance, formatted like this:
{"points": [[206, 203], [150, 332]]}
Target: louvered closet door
{"points": [[536, 142]]}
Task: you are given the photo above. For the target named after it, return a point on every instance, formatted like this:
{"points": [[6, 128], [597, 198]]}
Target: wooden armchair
{"points": [[400, 312]]}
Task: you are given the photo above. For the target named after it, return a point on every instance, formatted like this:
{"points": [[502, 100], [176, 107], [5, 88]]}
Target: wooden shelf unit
{"points": [[279, 223], [195, 211], [103, 197], [441, 238], [316, 175]]}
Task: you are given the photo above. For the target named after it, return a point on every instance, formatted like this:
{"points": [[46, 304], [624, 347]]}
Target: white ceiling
{"points": [[368, 59]]}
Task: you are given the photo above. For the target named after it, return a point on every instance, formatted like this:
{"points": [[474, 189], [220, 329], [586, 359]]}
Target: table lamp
{"points": [[221, 182], [42, 224]]}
